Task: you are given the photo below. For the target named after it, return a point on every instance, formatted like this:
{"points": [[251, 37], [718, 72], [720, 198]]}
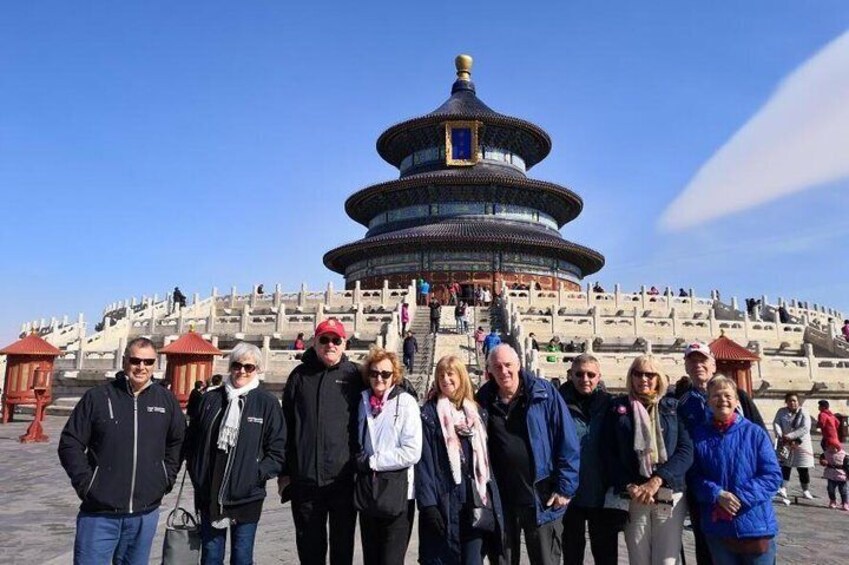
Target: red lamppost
{"points": [[35, 432]]}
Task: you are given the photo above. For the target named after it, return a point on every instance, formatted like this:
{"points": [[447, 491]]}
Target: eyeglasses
{"points": [[644, 375], [248, 367], [383, 375], [140, 361], [324, 340], [588, 374]]}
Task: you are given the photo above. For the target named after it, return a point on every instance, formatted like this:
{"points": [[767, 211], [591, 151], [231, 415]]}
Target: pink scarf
{"points": [[468, 421]]}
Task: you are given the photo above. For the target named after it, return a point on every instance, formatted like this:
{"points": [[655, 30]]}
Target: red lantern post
{"points": [[24, 360]]}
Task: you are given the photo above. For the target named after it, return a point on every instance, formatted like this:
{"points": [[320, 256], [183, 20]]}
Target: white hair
{"points": [[242, 350]]}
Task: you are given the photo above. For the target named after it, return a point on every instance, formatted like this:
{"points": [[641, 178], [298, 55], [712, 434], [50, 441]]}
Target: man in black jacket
{"points": [[320, 403], [121, 450]]}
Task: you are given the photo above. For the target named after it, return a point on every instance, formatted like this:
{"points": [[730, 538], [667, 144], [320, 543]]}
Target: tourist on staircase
{"points": [[411, 347], [460, 516], [435, 314]]}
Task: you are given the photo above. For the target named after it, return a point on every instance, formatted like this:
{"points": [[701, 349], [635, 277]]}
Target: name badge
{"points": [[252, 420], [160, 409]]}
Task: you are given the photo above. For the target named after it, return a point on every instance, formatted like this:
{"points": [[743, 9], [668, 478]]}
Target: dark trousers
{"points": [[833, 487], [385, 540], [434, 326], [312, 508], [604, 535], [542, 542], [703, 556], [409, 361], [804, 475]]}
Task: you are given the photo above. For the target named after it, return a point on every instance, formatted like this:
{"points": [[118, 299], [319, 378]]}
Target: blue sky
{"points": [[149, 144]]}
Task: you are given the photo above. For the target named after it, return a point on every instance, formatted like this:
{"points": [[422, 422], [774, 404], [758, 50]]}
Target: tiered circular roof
{"points": [[461, 185], [482, 182]]}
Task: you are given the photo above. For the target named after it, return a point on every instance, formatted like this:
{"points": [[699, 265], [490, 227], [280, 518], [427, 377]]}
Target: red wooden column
{"points": [[734, 361], [23, 359], [189, 360]]}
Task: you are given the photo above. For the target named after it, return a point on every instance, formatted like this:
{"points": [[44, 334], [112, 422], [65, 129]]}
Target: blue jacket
{"points": [[554, 443], [490, 341], [741, 461], [620, 458], [588, 418], [694, 411], [435, 487]]}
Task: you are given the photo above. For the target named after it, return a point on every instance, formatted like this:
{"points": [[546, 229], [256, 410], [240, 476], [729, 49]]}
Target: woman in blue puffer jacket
{"points": [[735, 475]]}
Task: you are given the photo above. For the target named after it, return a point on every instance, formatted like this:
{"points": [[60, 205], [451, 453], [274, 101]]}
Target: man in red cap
{"points": [[320, 405]]}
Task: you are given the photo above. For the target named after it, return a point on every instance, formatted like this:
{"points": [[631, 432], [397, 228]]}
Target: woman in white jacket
{"points": [[792, 427], [390, 432]]}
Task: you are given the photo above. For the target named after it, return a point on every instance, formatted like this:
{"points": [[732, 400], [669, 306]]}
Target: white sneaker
{"points": [[782, 492], [786, 501], [807, 494]]}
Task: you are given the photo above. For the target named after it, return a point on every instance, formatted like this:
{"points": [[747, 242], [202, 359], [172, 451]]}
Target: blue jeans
{"points": [[213, 541], [121, 539], [723, 556]]}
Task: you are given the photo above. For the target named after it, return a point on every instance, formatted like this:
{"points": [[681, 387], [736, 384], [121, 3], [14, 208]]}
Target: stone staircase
{"points": [[423, 363]]}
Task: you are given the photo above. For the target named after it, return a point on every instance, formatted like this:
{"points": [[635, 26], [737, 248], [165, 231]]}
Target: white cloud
{"points": [[798, 140]]}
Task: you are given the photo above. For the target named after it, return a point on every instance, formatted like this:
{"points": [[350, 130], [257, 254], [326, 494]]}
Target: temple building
{"points": [[463, 209]]}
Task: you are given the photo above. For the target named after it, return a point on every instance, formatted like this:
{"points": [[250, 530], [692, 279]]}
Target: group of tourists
{"points": [[516, 458]]}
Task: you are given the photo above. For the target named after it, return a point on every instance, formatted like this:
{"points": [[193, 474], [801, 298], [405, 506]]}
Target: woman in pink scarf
{"points": [[453, 476]]}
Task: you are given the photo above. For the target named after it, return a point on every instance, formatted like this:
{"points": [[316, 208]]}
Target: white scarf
{"points": [[229, 431]]}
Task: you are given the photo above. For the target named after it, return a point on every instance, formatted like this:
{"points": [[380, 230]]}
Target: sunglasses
{"points": [[324, 340], [588, 374], [641, 374], [383, 375], [140, 361], [248, 367]]}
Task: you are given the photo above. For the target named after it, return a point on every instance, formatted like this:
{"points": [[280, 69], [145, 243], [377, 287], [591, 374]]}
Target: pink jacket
{"points": [[835, 461]]}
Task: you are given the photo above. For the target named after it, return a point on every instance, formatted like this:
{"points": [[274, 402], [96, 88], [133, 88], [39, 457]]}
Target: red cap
{"points": [[331, 326]]}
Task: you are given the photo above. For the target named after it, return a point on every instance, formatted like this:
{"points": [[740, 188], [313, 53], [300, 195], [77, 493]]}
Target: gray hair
{"points": [[242, 350], [139, 342], [491, 354], [584, 358]]}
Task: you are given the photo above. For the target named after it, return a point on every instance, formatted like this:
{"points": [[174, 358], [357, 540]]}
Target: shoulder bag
{"points": [[380, 494], [181, 545]]}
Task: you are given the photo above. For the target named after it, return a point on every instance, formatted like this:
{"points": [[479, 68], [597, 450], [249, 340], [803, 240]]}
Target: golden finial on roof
{"points": [[464, 67], [192, 328], [722, 333]]}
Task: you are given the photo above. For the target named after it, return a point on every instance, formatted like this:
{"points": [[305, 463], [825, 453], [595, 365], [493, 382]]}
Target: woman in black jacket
{"points": [[233, 447], [647, 453], [453, 473]]}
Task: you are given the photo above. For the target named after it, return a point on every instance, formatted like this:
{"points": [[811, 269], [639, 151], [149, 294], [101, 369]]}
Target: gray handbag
{"points": [[181, 545]]}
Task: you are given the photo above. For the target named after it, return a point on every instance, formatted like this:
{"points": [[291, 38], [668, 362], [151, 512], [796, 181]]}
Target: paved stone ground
{"points": [[38, 508]]}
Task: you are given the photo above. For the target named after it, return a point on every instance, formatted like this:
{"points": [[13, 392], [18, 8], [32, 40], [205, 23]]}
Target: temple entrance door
{"points": [[467, 293]]}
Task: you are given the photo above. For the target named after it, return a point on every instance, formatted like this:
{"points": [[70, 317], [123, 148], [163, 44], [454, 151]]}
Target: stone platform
{"points": [[38, 509]]}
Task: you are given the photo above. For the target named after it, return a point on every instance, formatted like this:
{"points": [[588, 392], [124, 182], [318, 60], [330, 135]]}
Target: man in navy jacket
{"points": [[534, 452], [121, 450]]}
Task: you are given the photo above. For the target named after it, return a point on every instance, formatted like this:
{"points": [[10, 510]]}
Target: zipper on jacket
{"points": [[91, 482], [165, 471], [111, 414], [135, 448]]}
